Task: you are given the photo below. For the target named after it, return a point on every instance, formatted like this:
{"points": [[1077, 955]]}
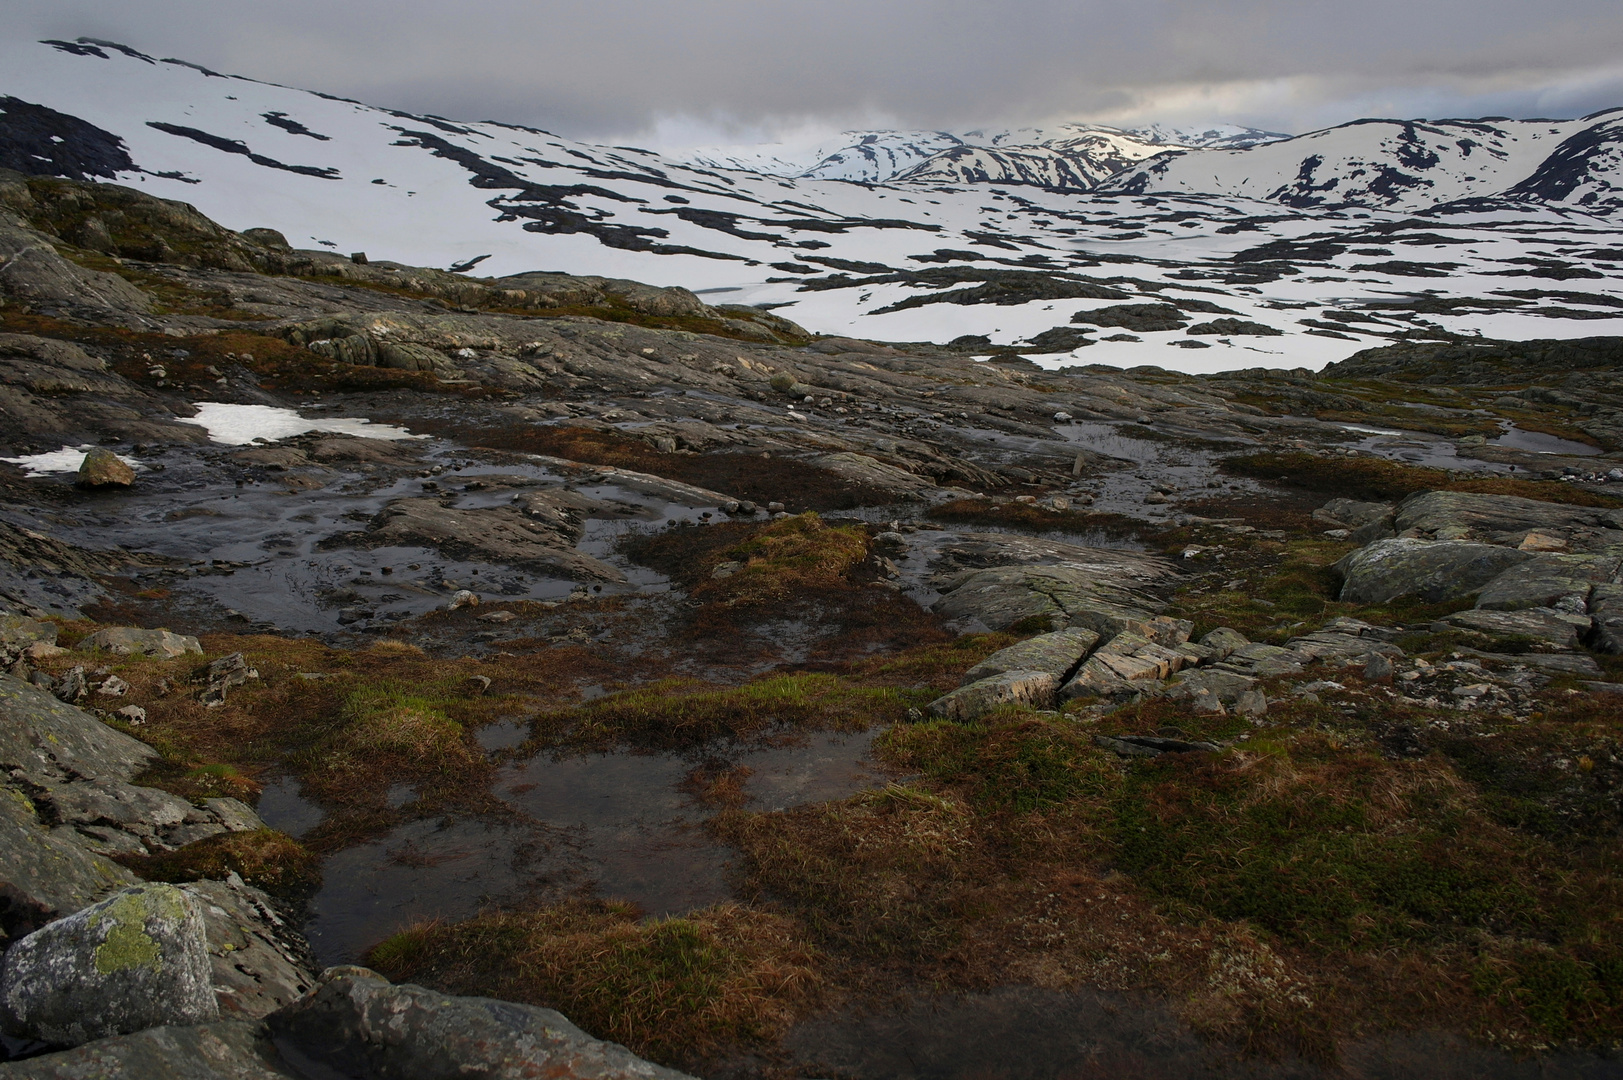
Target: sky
{"points": [[675, 73]]}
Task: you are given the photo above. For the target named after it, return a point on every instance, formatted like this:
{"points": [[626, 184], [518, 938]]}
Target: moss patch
{"points": [[264, 858]]}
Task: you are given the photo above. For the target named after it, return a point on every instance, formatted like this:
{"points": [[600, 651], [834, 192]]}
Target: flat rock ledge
{"points": [[355, 1023]]}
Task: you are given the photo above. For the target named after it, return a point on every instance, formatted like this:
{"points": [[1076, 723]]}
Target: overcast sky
{"points": [[669, 72]]}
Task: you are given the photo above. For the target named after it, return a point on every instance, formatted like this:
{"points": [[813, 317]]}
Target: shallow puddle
{"points": [[1537, 442], [616, 825]]}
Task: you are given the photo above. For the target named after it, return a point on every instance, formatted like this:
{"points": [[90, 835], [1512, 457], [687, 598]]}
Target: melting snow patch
{"points": [[236, 425], [67, 459]]}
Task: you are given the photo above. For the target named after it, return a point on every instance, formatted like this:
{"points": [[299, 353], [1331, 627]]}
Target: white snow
{"points": [[238, 425], [66, 460]]}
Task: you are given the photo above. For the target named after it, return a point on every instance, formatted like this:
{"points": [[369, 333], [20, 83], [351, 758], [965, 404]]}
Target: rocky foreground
{"points": [[1277, 710]]}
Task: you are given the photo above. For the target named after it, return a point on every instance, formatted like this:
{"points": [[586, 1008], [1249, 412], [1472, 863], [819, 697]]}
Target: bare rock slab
{"points": [[1433, 570], [221, 1050], [133, 641], [1033, 688], [136, 960], [1058, 654], [356, 1023]]}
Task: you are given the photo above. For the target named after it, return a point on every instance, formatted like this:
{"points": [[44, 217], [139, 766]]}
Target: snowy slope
{"points": [[930, 259], [1070, 156], [1407, 165]]}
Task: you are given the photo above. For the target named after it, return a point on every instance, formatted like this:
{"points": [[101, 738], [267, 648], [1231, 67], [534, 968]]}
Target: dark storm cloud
{"points": [[616, 66]]}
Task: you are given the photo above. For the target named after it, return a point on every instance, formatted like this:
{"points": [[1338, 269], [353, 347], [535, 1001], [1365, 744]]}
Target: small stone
{"points": [[774, 507], [103, 468], [498, 617], [113, 686], [1378, 669], [1155, 498], [1062, 418], [1542, 541], [73, 686], [1252, 703], [462, 598], [43, 650], [133, 713]]}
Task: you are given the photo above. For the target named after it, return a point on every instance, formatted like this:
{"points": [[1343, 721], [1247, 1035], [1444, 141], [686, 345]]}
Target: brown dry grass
{"points": [[264, 858], [678, 990]]}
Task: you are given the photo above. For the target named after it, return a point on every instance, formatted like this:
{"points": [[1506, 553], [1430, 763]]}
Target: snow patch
{"points": [[66, 460], [237, 425]]}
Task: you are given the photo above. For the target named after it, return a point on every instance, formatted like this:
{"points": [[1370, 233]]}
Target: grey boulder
{"points": [[356, 1023], [136, 960], [1432, 570]]}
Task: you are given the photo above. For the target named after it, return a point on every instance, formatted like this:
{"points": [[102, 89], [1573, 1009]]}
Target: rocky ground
{"points": [[758, 699]]}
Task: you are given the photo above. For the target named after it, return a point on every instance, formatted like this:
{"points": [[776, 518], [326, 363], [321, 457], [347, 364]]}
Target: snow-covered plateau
{"points": [[1072, 245]]}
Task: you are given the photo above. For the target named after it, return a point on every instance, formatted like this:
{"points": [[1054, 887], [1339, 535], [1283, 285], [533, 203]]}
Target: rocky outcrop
{"points": [[1066, 585], [67, 803], [1058, 654], [356, 1023], [1432, 570], [1034, 689], [134, 641], [136, 960], [222, 1050]]}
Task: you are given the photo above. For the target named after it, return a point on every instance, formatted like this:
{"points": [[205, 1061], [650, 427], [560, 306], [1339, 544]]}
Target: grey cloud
{"points": [[609, 67]]}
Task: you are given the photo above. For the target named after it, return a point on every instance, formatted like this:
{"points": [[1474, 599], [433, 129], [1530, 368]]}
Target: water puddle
{"points": [[1537, 442], [283, 808], [617, 825]]}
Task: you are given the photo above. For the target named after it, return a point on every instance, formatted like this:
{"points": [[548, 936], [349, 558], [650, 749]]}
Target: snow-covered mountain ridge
{"points": [[1269, 270], [1067, 156]]}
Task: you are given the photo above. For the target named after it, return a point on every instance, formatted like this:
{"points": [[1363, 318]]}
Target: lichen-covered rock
{"points": [[1504, 519], [1558, 628], [1033, 688], [43, 875], [222, 1050], [102, 468], [40, 734], [17, 631], [1057, 653], [356, 1023], [136, 960], [1432, 570], [257, 960], [1546, 581], [133, 641]]}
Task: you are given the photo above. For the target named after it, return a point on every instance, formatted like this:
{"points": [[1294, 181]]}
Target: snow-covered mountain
{"points": [[1252, 275], [1072, 157], [1407, 165]]}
